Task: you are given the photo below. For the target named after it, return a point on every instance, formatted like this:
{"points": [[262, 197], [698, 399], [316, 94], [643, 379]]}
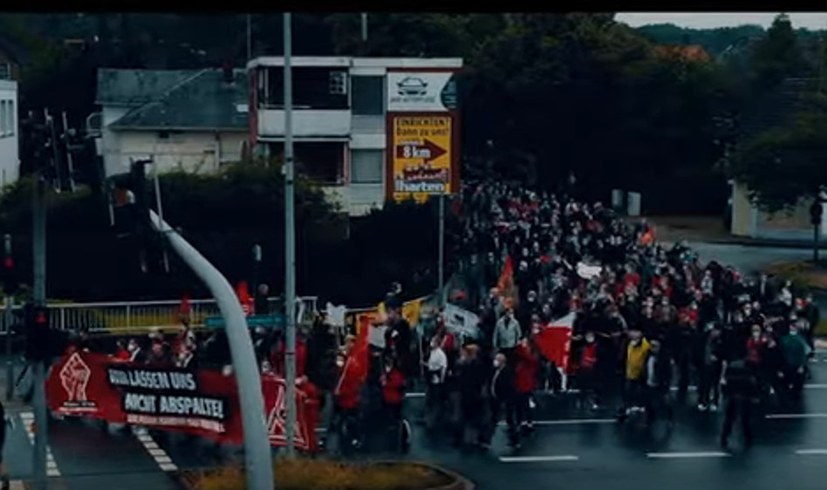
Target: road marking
{"points": [[708, 454], [159, 455], [796, 416], [27, 418], [569, 422], [537, 459], [17, 485], [816, 386], [812, 452]]}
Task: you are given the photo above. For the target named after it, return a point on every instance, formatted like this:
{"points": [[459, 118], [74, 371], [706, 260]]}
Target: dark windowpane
{"points": [[368, 96]]}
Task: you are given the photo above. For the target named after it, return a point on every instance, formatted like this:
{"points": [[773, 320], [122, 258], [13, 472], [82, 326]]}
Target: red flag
{"points": [[554, 340], [245, 298], [356, 368], [507, 275]]}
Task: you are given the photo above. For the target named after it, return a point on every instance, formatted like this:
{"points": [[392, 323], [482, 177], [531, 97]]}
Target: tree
{"points": [[784, 164], [777, 56]]}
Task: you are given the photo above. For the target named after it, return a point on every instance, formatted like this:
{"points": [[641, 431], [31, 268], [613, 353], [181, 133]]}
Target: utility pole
{"points": [[256, 267], [68, 134], [39, 298], [289, 243], [816, 211], [441, 260], [9, 318], [249, 37], [364, 27], [157, 183]]}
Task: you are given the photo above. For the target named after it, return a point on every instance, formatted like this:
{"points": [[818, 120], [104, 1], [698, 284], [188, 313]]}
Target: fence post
{"points": [[63, 318], [128, 315]]}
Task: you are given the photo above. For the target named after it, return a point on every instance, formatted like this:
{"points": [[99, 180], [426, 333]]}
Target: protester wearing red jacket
{"points": [[278, 355], [393, 394], [348, 389], [525, 373], [311, 410]]}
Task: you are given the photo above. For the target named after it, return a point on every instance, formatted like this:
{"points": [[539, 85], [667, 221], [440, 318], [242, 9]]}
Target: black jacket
{"points": [[501, 384], [740, 380]]}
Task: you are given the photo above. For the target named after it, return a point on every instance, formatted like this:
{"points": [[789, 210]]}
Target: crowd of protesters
{"points": [[647, 318]]}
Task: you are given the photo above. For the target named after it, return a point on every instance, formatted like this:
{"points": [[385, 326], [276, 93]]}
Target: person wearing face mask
{"points": [[526, 369], [501, 396], [136, 354], [345, 420], [772, 368], [392, 382], [588, 378], [740, 388], [658, 373], [636, 353], [435, 396], [710, 366], [507, 334], [795, 351]]}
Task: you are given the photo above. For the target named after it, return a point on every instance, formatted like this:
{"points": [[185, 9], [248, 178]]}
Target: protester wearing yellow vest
{"points": [[636, 353]]}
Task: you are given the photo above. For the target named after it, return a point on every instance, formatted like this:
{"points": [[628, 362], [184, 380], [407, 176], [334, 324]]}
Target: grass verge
{"points": [[306, 474]]}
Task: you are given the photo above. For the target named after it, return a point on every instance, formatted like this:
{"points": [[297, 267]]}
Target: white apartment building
{"points": [[9, 134], [345, 110]]}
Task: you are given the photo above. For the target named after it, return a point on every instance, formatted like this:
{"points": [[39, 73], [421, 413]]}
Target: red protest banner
{"points": [[201, 402]]}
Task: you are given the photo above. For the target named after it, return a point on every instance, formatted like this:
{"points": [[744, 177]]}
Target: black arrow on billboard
{"points": [[428, 151]]}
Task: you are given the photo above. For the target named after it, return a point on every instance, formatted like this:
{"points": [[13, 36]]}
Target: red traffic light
{"points": [[8, 263], [41, 319]]}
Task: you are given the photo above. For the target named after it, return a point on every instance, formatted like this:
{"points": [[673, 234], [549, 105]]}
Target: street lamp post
{"points": [[290, 243]]}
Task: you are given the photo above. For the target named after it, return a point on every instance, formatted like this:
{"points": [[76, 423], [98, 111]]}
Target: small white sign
{"points": [[417, 91], [461, 321]]}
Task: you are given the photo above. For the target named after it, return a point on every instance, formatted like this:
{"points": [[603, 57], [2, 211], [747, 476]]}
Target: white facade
{"points": [[9, 134], [358, 121]]}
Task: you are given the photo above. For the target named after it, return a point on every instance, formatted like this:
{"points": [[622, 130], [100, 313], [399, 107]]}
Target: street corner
{"points": [[803, 273]]}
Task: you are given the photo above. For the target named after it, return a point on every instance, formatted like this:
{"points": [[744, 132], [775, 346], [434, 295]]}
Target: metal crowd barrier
{"points": [[139, 316]]}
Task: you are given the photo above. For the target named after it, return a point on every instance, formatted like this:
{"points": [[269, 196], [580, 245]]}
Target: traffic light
{"points": [[38, 333], [10, 280], [816, 210]]}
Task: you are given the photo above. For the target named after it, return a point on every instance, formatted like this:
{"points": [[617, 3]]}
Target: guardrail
{"points": [[136, 315]]}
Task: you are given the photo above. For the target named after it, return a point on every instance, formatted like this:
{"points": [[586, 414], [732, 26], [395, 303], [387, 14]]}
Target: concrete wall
{"points": [[9, 134], [749, 221], [305, 123], [197, 152]]}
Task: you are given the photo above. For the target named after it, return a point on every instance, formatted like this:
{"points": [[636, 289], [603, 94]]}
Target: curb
{"points": [[797, 244]]}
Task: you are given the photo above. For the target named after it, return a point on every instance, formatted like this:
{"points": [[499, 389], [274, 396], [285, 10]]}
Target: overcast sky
{"points": [[702, 20]]}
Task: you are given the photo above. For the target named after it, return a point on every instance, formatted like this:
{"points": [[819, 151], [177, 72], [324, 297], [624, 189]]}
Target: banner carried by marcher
{"points": [[459, 321], [201, 402], [554, 342]]}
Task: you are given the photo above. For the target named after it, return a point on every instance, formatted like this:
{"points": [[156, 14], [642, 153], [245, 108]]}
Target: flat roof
{"points": [[347, 62]]}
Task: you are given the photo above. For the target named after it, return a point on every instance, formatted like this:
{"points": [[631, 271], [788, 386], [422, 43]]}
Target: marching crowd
{"points": [[646, 317]]}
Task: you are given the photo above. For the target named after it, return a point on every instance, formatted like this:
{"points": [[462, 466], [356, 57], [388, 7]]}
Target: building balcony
{"points": [[307, 123]]}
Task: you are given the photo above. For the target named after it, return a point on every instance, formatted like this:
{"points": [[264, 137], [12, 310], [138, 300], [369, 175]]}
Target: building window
{"points": [[366, 166], [313, 88], [10, 122], [368, 95], [5, 71], [3, 118], [322, 162], [338, 83]]}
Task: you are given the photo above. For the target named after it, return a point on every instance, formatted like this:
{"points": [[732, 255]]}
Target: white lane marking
{"points": [[812, 452], [27, 418], [708, 454], [159, 455], [796, 416], [538, 459], [574, 391], [569, 422]]}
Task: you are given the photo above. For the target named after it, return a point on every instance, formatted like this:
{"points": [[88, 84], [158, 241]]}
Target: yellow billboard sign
{"points": [[421, 156]]}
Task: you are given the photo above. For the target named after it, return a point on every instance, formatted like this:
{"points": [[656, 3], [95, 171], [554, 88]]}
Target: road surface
{"points": [[572, 448]]}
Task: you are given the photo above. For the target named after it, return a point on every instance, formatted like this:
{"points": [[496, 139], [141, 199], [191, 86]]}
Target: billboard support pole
{"points": [[441, 260]]}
